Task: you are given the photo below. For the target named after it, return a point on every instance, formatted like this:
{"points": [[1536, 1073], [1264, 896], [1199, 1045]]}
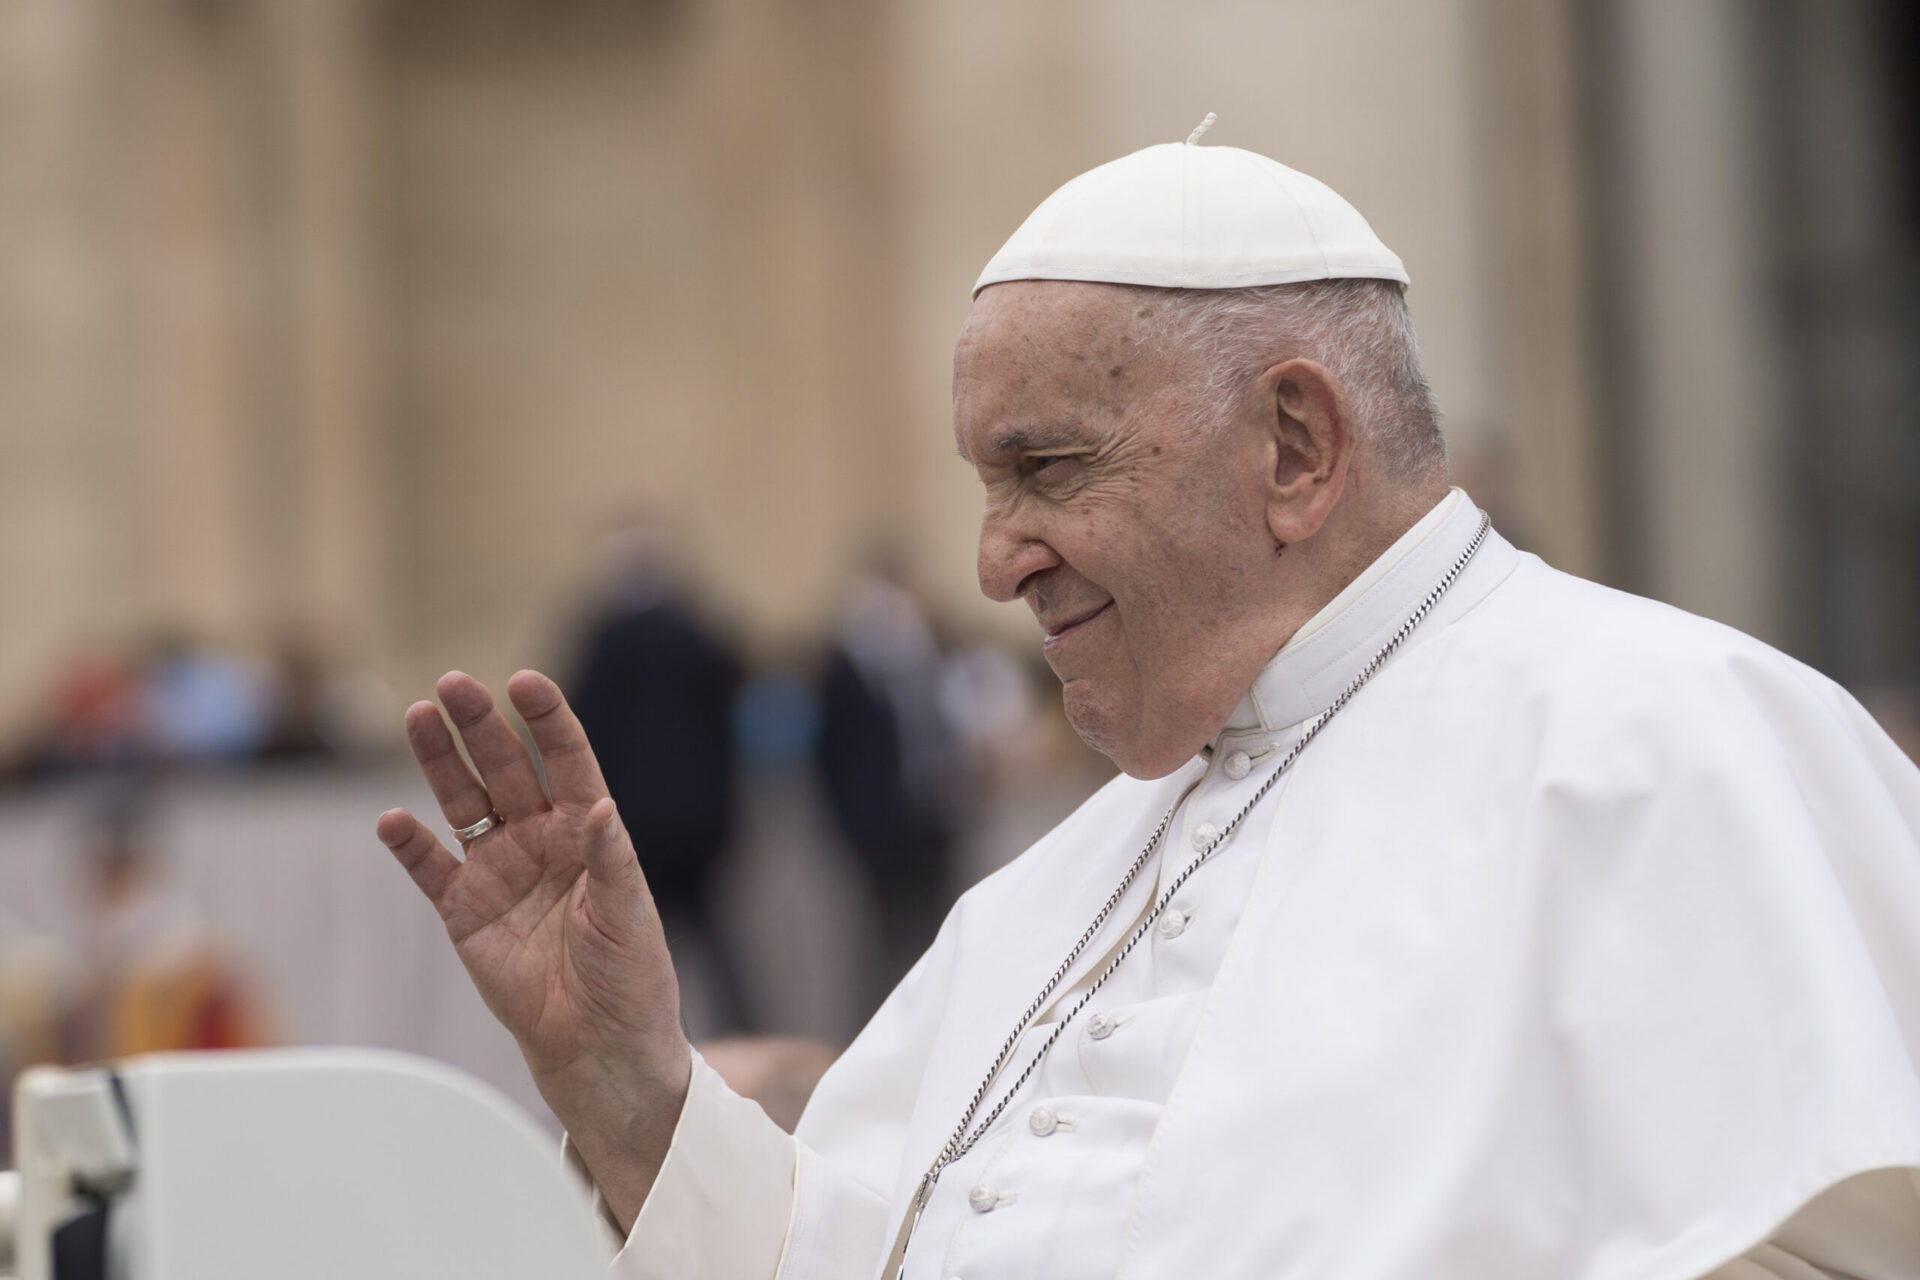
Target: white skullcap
{"points": [[1185, 216]]}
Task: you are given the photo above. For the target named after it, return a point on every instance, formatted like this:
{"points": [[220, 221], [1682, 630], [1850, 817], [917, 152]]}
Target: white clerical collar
{"points": [[1314, 664]]}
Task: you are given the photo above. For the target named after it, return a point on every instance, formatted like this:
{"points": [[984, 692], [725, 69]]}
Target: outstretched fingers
{"points": [[462, 799], [573, 774], [496, 750], [417, 850]]}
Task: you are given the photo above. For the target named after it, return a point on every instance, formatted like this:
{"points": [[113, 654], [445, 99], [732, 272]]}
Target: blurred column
{"points": [[799, 114], [989, 109], [1841, 123], [184, 237], [63, 520], [331, 465], [1691, 372], [1541, 452], [639, 249]]}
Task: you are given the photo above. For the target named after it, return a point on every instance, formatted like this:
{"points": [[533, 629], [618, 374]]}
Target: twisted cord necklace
{"points": [[967, 1132]]}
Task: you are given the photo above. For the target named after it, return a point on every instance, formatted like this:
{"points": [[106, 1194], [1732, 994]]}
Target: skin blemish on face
{"points": [[1144, 555]]}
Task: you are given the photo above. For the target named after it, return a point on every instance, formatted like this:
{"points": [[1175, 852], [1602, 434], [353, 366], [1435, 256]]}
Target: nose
{"points": [[1009, 555]]}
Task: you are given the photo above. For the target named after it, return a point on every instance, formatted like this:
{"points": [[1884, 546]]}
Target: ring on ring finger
{"points": [[467, 835]]}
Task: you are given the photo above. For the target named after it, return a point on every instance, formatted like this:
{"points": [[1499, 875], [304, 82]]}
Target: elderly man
{"points": [[1455, 918]]}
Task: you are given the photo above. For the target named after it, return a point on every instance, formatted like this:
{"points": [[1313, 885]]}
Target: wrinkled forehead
{"points": [[1058, 343], [1073, 317]]}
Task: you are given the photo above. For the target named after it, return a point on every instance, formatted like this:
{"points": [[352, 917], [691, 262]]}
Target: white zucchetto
{"points": [[1185, 216]]}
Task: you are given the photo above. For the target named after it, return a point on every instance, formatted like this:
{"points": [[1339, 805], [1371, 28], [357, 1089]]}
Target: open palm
{"points": [[549, 910]]}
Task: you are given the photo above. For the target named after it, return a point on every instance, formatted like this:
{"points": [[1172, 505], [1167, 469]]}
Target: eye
{"points": [[1056, 464]]}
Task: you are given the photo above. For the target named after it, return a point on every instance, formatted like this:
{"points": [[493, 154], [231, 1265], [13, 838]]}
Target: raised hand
{"points": [[550, 914]]}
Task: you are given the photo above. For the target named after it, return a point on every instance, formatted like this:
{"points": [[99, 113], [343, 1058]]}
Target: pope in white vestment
{"points": [[1584, 944], [1507, 928]]}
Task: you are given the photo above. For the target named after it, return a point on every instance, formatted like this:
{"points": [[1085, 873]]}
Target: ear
{"points": [[1310, 429]]}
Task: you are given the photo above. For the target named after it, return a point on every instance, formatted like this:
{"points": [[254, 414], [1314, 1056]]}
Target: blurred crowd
{"points": [[874, 771], [907, 737], [177, 699], [809, 814]]}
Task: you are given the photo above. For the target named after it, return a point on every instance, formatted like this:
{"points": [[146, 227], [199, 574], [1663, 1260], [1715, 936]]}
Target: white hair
{"points": [[1359, 329]]}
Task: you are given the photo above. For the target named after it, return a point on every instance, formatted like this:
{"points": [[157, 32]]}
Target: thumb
{"points": [[609, 855]]}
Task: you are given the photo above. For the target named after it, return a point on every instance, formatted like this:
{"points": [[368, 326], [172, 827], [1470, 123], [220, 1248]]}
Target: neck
{"points": [[1300, 584], [1357, 532]]}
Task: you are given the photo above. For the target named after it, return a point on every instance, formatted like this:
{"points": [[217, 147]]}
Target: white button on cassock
{"points": [[1173, 924], [1238, 765], [1100, 1026], [1043, 1121], [983, 1199], [1205, 834]]}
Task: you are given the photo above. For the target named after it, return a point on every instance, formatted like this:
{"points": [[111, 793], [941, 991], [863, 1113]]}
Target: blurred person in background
{"points": [[1584, 940], [888, 759], [300, 684], [323, 708], [205, 703], [154, 975], [93, 718], [802, 916], [1025, 768], [655, 686]]}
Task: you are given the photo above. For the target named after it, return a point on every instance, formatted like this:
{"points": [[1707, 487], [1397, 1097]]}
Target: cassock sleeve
{"points": [[726, 1204], [721, 1204], [738, 1199]]}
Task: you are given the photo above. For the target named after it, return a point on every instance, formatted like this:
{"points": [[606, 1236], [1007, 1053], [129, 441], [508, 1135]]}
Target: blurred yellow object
{"points": [[193, 999]]}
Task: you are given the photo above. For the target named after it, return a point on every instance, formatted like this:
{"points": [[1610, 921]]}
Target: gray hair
{"points": [[1358, 329]]}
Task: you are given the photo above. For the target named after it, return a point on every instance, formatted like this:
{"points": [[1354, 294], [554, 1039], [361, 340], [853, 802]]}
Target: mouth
{"points": [[1058, 633]]}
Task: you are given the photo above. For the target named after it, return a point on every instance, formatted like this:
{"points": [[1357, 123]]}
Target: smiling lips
{"points": [[1059, 632]]}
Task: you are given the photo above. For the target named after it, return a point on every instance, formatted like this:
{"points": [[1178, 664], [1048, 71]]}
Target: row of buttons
{"points": [[1237, 765], [1042, 1122]]}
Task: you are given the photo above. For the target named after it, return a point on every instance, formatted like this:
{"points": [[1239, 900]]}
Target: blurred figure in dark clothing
{"points": [[889, 761], [298, 728], [654, 691]]}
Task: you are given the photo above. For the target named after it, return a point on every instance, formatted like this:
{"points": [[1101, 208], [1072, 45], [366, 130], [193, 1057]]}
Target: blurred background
{"points": [[346, 341]]}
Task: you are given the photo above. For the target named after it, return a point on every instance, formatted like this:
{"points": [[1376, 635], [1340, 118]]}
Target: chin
{"points": [[1091, 720], [1099, 726], [1145, 766]]}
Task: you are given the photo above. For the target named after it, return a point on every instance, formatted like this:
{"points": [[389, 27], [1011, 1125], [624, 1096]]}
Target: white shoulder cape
{"points": [[1586, 944]]}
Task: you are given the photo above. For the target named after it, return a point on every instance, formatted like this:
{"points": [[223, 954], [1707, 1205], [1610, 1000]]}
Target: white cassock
{"points": [[1583, 944]]}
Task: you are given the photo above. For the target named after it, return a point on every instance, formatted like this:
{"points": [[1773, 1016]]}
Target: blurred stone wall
{"points": [[359, 318]]}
